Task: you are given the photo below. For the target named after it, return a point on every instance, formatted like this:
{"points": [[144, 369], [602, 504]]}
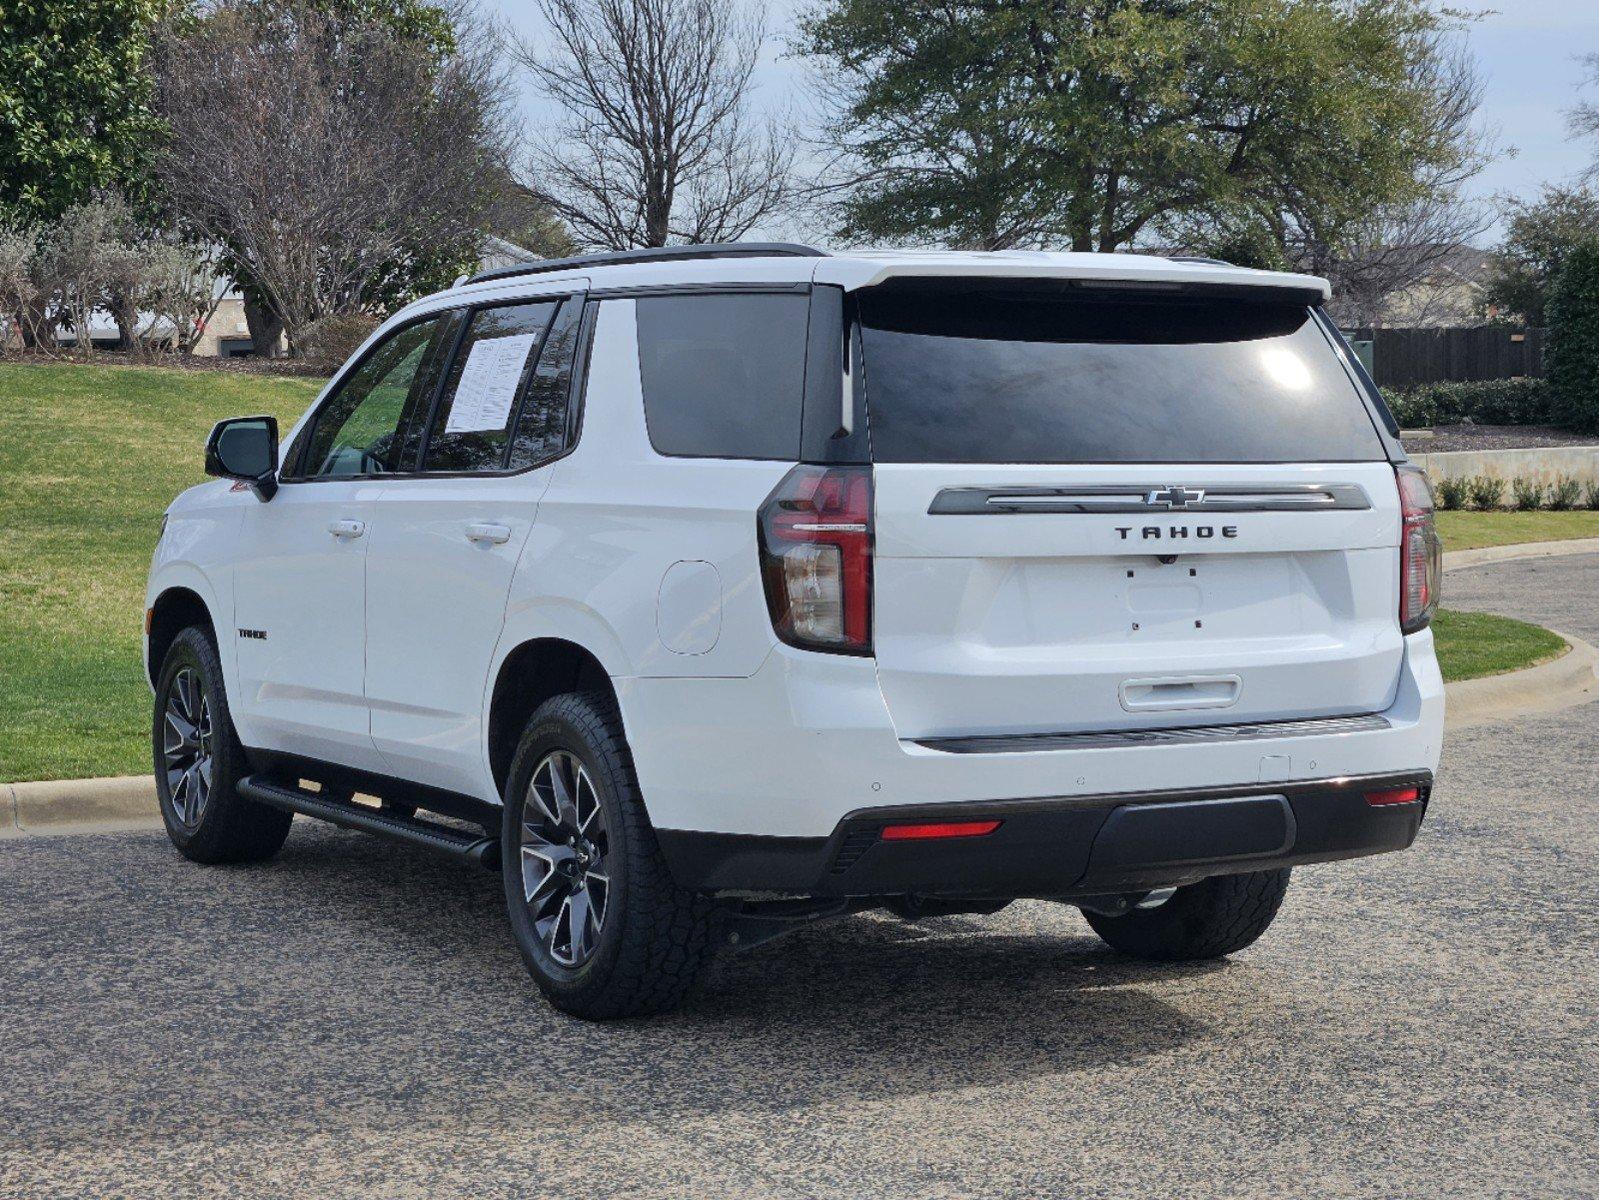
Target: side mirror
{"points": [[245, 448]]}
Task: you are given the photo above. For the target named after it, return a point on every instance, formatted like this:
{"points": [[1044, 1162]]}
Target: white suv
{"points": [[712, 590]]}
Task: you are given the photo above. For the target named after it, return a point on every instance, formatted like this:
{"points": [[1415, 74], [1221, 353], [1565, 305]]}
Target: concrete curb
{"points": [[40, 807], [1560, 683], [1456, 559]]}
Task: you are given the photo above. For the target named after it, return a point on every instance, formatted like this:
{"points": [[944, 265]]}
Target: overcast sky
{"points": [[1527, 52]]}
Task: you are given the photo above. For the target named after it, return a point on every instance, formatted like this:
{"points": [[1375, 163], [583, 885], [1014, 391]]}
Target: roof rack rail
{"points": [[1201, 258], [611, 258]]}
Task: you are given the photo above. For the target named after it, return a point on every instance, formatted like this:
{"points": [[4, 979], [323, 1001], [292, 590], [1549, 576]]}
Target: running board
{"points": [[453, 843]]}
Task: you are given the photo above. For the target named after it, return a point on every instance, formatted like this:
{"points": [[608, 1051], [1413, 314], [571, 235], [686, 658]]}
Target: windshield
{"points": [[995, 376]]}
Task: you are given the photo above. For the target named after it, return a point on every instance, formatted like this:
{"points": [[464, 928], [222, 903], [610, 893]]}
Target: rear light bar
{"points": [[1388, 796], [815, 532], [939, 829], [1420, 551]]}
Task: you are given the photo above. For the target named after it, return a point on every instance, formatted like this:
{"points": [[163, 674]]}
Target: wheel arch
{"points": [[530, 674], [174, 610]]}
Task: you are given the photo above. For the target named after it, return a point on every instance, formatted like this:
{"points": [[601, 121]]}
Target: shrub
{"points": [[1590, 495], [1526, 494], [328, 342], [1452, 493], [1485, 491], [1573, 354], [1485, 402], [1565, 492]]}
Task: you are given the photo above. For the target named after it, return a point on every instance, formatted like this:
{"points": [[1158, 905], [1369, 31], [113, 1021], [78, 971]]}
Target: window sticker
{"points": [[487, 387]]}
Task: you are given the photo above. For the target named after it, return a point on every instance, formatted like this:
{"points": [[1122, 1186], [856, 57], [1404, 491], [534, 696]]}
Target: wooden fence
{"points": [[1406, 357]]}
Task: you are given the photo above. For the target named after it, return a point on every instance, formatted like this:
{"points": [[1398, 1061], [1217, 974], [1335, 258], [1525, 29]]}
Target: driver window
{"points": [[357, 431]]}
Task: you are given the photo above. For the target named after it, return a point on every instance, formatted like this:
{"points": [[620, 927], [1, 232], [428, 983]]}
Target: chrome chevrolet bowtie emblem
{"points": [[1175, 496]]}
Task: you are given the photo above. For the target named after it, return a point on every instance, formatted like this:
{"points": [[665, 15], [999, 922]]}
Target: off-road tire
{"points": [[656, 937], [1203, 920], [230, 829]]}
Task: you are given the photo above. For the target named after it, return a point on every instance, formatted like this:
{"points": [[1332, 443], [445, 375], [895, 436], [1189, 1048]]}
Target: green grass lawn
{"points": [[1471, 645], [89, 459], [1469, 530], [91, 456]]}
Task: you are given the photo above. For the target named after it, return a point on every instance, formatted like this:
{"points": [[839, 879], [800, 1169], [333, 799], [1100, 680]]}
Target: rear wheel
{"points": [[602, 927], [198, 760], [1203, 920]]}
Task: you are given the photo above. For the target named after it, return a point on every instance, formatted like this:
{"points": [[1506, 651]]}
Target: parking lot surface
{"points": [[353, 1019]]}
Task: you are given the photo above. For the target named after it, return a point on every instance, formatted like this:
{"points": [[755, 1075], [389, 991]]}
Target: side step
{"points": [[454, 843]]}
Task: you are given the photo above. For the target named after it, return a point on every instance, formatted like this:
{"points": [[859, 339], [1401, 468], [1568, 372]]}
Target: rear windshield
{"points": [[995, 377]]}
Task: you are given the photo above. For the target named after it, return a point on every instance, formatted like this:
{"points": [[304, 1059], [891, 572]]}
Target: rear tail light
{"points": [[1404, 795], [938, 829], [1420, 551], [816, 558]]}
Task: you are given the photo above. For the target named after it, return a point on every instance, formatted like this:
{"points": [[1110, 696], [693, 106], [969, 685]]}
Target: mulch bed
{"points": [[1496, 437], [117, 358]]}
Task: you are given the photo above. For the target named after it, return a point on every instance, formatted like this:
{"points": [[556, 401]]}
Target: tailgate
{"points": [[1014, 598]]}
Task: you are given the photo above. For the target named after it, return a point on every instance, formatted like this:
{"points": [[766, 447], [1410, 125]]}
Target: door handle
{"points": [[496, 534], [346, 529]]}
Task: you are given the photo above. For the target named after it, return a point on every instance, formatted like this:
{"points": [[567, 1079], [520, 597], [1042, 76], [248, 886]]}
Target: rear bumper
{"points": [[1065, 846], [807, 742]]}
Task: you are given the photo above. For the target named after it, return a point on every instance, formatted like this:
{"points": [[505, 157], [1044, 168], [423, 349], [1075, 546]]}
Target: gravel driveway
{"points": [[352, 1019]]}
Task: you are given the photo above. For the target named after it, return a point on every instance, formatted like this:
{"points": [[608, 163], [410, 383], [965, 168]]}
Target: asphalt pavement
{"points": [[352, 1019]]}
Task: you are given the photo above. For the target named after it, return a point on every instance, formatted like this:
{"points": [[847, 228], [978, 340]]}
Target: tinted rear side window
{"points": [[723, 376], [992, 377]]}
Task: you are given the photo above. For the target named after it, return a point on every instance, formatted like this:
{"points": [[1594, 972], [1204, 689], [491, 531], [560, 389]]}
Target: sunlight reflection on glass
{"points": [[1286, 369]]}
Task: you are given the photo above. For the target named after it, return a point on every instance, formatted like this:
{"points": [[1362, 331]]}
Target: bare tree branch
{"points": [[657, 144]]}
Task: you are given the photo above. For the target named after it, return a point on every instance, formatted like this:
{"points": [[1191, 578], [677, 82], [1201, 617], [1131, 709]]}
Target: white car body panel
{"points": [[301, 688]]}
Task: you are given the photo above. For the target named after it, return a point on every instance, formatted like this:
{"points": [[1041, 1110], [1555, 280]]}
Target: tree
{"points": [[358, 174], [1583, 118], [518, 215], [75, 111], [1090, 123], [1539, 234], [658, 144], [1574, 339]]}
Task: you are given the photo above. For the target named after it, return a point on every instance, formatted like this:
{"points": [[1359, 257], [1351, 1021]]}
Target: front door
{"points": [[300, 585]]}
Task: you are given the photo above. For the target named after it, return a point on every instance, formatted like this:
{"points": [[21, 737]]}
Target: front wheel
{"points": [[198, 760], [1207, 919], [602, 927]]}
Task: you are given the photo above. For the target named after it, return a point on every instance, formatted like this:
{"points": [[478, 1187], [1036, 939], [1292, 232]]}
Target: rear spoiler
{"points": [[1121, 273]]}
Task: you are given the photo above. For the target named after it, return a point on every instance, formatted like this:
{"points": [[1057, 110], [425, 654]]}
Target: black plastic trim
{"points": [[465, 846], [278, 765], [652, 254], [733, 288], [1062, 846]]}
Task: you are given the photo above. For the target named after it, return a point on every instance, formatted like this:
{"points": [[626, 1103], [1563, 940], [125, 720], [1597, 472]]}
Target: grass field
{"points": [[89, 459], [91, 456], [1470, 530]]}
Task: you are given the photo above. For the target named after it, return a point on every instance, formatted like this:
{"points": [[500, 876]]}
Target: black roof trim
{"points": [[612, 258]]}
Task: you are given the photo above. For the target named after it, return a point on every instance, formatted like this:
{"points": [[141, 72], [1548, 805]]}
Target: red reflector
{"points": [[946, 829], [1407, 795]]}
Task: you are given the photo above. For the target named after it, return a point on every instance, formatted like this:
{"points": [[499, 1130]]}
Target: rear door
{"points": [[447, 536], [1122, 510]]}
